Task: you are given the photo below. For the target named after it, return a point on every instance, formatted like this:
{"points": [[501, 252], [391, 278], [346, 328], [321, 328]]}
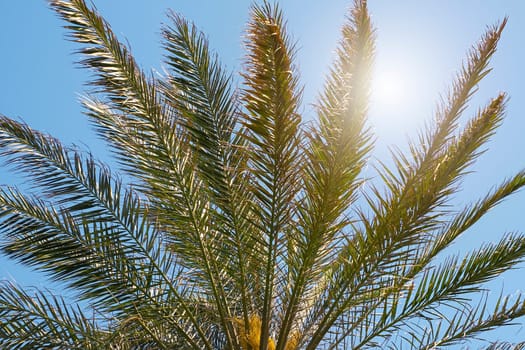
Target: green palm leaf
{"points": [[39, 320], [272, 120]]}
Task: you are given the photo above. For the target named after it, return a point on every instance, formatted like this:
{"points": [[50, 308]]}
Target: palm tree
{"points": [[238, 226]]}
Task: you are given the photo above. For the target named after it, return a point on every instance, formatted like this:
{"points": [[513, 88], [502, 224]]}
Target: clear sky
{"points": [[420, 45]]}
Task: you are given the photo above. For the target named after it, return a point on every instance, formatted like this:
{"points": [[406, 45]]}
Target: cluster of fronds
{"points": [[239, 227]]}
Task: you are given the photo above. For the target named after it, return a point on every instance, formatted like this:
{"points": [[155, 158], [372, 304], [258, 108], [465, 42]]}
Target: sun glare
{"points": [[389, 89], [400, 92]]}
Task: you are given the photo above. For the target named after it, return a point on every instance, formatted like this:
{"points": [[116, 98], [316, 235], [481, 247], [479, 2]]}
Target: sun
{"points": [[402, 87], [396, 98], [405, 80], [389, 88]]}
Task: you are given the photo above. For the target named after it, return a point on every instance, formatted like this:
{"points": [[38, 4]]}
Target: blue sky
{"points": [[420, 45]]}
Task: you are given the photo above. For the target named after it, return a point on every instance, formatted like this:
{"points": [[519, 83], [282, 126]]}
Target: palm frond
{"points": [[201, 92], [55, 242], [467, 217], [470, 323], [506, 346], [94, 212], [446, 285], [463, 88], [334, 159], [37, 320], [272, 99], [129, 114], [404, 216], [408, 283], [149, 134]]}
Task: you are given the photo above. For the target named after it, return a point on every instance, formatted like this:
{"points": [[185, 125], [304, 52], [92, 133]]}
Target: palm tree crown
{"points": [[238, 226]]}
